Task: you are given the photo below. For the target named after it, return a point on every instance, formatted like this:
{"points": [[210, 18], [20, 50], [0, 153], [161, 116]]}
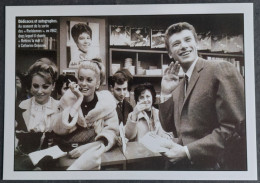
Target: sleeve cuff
{"points": [[130, 119], [164, 98], [188, 153]]}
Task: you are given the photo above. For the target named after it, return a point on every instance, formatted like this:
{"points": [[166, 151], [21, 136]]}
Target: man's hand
{"points": [[170, 78], [175, 153]]}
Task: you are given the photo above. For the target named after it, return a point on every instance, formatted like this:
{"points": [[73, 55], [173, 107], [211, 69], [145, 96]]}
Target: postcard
{"points": [[62, 115]]}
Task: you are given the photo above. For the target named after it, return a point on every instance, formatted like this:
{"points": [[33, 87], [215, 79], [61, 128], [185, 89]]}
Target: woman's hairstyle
{"points": [[97, 66], [21, 92], [176, 28], [142, 87], [120, 77], [64, 79], [44, 68], [78, 29]]}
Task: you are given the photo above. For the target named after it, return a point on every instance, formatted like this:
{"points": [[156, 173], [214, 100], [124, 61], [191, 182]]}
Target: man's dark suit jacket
{"points": [[122, 115], [210, 119]]}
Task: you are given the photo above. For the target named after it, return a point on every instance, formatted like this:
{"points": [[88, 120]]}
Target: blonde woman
{"points": [[90, 114]]}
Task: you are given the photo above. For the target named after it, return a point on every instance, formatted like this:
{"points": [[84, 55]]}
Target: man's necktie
{"points": [[186, 83], [120, 106]]}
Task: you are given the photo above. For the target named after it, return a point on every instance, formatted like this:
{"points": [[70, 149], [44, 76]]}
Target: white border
{"points": [[220, 8]]}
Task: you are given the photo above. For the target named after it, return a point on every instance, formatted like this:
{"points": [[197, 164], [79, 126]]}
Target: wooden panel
{"points": [[135, 152]]}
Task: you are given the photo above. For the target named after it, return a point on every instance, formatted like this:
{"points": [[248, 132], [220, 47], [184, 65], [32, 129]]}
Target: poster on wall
{"points": [[83, 42]]}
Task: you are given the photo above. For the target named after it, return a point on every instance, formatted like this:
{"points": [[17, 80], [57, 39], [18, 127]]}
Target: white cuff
{"points": [[163, 97], [188, 153]]}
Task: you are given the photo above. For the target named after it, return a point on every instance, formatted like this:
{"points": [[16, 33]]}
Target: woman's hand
{"points": [[90, 160], [74, 87], [170, 78], [77, 152], [140, 106]]}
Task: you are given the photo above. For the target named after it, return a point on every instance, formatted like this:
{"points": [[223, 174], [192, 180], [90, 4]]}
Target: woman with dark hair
{"points": [[145, 117], [82, 36], [62, 83], [35, 117]]}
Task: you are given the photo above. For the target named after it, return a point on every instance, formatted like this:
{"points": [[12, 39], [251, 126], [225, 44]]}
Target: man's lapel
{"points": [[193, 80]]}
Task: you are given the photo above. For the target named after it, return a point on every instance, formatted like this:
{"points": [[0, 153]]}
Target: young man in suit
{"points": [[206, 109], [120, 84]]}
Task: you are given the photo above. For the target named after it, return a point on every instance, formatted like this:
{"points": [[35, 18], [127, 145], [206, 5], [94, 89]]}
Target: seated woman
{"points": [[35, 116], [82, 36], [62, 84], [144, 118], [88, 115]]}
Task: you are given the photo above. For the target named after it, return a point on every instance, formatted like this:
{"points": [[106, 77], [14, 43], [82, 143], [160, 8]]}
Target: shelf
{"points": [[138, 51], [36, 50], [220, 54], [147, 76], [165, 52]]}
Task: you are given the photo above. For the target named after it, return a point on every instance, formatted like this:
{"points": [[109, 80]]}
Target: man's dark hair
{"points": [[178, 27], [142, 87], [64, 79], [78, 29], [120, 77]]}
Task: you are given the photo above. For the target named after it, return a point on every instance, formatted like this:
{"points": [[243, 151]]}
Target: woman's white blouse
{"points": [[39, 121]]}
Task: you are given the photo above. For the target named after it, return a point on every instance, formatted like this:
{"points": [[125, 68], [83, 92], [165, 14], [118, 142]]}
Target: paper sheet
{"points": [[152, 142], [54, 151]]}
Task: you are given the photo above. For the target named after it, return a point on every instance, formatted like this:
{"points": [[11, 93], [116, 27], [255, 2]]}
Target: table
{"points": [[136, 157], [112, 157]]}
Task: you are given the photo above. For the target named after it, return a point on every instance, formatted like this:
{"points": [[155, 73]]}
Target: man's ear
{"points": [[111, 88]]}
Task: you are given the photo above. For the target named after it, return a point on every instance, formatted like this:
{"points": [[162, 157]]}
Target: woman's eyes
{"points": [[36, 86], [82, 38], [81, 79], [88, 79], [45, 86]]}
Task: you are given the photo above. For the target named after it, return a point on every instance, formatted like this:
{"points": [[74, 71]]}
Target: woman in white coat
{"points": [[89, 116]]}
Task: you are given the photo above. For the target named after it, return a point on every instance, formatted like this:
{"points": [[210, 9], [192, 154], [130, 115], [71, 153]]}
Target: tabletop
{"points": [[135, 152]]}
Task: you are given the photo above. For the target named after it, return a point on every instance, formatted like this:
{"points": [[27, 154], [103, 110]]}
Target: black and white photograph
{"points": [[157, 39], [85, 44], [147, 95], [140, 36], [120, 35]]}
